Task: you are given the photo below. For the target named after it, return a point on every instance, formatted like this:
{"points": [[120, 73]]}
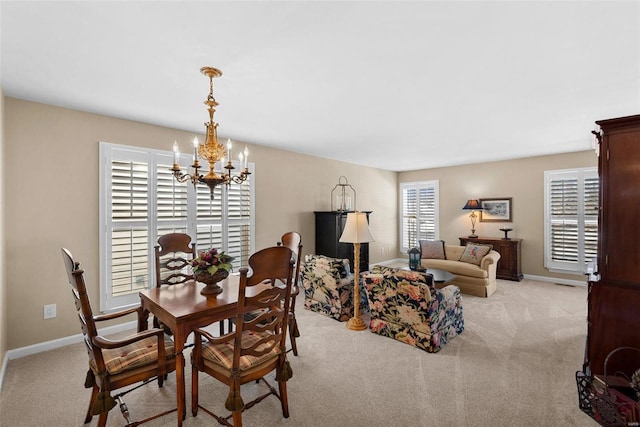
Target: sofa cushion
{"points": [[458, 268], [432, 249], [473, 253]]}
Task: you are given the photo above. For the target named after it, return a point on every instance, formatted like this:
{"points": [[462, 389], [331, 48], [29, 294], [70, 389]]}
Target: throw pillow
{"points": [[473, 253], [432, 249]]}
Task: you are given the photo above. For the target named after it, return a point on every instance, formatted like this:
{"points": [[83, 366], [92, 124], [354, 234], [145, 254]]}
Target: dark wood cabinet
{"points": [[614, 298], [329, 227], [510, 264]]}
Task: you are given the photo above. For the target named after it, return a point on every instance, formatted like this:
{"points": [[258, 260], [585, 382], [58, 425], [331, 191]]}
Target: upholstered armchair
{"points": [[328, 287], [405, 306]]}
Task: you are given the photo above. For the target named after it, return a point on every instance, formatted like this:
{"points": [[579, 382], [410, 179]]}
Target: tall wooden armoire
{"points": [[614, 300]]}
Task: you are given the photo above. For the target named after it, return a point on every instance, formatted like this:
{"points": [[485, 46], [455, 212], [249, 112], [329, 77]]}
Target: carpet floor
{"points": [[514, 365]]}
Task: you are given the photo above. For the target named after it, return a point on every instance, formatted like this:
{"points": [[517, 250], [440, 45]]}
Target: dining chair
{"points": [[133, 361], [257, 346], [174, 253], [293, 241]]}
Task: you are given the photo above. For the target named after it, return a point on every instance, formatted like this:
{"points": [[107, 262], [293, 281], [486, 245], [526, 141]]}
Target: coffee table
{"points": [[440, 277]]}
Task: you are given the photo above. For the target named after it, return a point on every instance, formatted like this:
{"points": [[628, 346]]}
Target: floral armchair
{"points": [[404, 305], [328, 287]]}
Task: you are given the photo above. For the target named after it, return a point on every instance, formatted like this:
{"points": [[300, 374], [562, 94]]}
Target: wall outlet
{"points": [[49, 311]]}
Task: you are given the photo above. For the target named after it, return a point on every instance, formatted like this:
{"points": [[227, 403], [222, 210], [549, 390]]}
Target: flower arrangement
{"points": [[211, 261]]}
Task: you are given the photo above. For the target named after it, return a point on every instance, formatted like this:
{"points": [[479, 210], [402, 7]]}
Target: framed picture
{"points": [[496, 210]]}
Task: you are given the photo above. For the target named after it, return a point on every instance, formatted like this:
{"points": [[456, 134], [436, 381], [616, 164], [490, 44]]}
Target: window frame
{"points": [[156, 159], [418, 185], [582, 220]]}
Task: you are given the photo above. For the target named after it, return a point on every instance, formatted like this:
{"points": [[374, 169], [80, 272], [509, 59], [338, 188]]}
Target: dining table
{"points": [[183, 309]]}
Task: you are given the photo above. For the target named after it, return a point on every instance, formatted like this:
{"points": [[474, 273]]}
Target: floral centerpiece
{"points": [[210, 267]]}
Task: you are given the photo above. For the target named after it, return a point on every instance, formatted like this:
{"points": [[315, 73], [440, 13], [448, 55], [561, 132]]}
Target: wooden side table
{"points": [[510, 264]]}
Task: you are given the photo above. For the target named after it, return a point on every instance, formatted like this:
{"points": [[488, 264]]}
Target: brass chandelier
{"points": [[211, 151]]}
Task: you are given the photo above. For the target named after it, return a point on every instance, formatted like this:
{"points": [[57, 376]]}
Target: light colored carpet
{"points": [[514, 365]]}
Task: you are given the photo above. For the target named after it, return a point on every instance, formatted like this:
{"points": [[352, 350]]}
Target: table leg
{"points": [[180, 388]]}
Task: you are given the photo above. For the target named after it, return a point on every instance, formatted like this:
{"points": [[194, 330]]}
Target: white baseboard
{"points": [[3, 369], [556, 280], [57, 343]]}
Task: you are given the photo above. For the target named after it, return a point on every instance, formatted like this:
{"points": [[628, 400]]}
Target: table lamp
{"points": [[356, 231], [473, 205]]}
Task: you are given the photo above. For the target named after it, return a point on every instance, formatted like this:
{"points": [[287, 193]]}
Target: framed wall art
{"points": [[496, 210]]}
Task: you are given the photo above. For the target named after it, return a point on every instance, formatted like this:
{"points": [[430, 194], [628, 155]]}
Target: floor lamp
{"points": [[356, 231]]}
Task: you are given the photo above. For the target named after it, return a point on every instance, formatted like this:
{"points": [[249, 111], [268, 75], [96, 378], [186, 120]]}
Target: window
{"points": [[140, 201], [571, 219], [418, 212]]}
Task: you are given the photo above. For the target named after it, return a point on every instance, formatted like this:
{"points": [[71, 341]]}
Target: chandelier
{"points": [[211, 151]]}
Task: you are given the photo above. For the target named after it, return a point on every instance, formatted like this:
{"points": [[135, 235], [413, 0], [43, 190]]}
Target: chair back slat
{"points": [[81, 299], [173, 254], [273, 266], [293, 241]]}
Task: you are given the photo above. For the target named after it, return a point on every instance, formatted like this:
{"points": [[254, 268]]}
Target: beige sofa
{"points": [[470, 278]]}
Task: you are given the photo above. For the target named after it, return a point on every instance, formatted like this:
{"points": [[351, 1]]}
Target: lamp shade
{"points": [[473, 204], [356, 229]]}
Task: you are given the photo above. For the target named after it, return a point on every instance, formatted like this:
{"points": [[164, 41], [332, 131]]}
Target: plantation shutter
{"points": [[128, 218], [239, 226], [572, 220], [140, 200], [419, 212], [171, 200]]}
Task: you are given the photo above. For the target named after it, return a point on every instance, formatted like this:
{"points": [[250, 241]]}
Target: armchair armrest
{"points": [[491, 258], [115, 315]]}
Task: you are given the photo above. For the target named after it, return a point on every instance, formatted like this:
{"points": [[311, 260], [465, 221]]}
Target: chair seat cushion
{"points": [[135, 355], [222, 354]]}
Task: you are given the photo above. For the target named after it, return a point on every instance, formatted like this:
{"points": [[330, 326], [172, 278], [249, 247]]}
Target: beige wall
{"points": [[3, 282], [521, 179], [52, 201], [55, 204]]}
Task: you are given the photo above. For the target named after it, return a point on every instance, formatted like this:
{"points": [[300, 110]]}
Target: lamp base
{"points": [[356, 324], [473, 236]]}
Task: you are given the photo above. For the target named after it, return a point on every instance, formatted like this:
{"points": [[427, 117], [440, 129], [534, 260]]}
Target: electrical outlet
{"points": [[49, 311]]}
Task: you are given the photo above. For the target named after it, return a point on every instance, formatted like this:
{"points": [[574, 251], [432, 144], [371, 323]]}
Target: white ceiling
{"points": [[389, 84]]}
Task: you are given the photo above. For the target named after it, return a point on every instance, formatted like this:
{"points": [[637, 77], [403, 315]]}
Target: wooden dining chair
{"points": [[257, 346], [117, 363], [293, 241], [174, 253]]}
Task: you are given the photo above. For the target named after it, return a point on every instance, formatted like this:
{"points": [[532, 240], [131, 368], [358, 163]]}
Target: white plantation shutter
{"points": [[571, 217], [419, 212], [140, 201], [235, 217], [125, 213], [172, 199]]}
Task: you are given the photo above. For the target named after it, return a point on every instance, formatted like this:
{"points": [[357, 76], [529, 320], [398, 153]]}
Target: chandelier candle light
{"points": [[211, 151]]}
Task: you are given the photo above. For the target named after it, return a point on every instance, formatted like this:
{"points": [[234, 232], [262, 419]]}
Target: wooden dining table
{"points": [[183, 309]]}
